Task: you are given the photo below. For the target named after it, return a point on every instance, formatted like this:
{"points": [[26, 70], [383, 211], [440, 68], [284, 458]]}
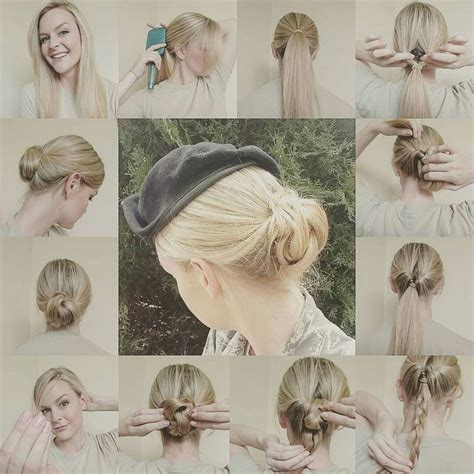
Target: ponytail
{"points": [[415, 102]]}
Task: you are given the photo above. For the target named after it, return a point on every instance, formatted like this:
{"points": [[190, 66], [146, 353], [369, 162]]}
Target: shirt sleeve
{"points": [[244, 464], [367, 81], [366, 202], [28, 102], [132, 107], [108, 444], [462, 219], [220, 76]]}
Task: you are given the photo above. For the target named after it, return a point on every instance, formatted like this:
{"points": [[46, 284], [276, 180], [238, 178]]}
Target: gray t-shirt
{"points": [[244, 464], [202, 98], [379, 98], [267, 102], [162, 466], [313, 334], [10, 229], [441, 455], [378, 218]]}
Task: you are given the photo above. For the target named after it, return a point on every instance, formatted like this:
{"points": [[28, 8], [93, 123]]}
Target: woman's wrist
{"points": [[102, 403]]}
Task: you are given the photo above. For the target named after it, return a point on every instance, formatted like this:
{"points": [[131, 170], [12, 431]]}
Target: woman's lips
{"points": [[60, 428], [58, 56]]}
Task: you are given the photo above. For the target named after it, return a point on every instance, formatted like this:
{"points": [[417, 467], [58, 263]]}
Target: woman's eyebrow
{"points": [[55, 401], [57, 28]]}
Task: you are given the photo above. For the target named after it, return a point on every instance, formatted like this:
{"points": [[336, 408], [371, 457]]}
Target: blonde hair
{"points": [[296, 39], [91, 94], [178, 389], [416, 272], [55, 375], [428, 379], [305, 390], [420, 28], [63, 293], [43, 167], [184, 29], [251, 225], [408, 153]]}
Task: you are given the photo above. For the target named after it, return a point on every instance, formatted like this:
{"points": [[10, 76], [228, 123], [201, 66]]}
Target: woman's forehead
{"points": [[55, 18], [55, 389]]}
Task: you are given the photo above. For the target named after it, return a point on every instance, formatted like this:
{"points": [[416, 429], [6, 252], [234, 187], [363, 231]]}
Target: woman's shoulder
{"points": [[264, 102], [243, 464], [332, 106], [9, 228], [452, 101], [438, 339], [106, 442]]}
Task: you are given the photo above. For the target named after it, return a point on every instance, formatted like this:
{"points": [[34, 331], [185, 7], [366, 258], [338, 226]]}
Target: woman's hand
{"points": [[342, 413], [384, 127], [101, 403], [142, 422], [450, 166], [215, 416], [384, 449], [282, 457], [26, 450], [376, 51], [455, 54], [150, 55]]}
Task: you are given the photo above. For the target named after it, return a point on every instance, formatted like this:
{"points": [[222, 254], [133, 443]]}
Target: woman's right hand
{"points": [[378, 52], [384, 127], [282, 457], [150, 55], [142, 422], [26, 450]]}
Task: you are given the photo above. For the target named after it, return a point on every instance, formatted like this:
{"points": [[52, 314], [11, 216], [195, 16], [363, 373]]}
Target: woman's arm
{"points": [[455, 54], [102, 403], [374, 50], [229, 38], [142, 422]]}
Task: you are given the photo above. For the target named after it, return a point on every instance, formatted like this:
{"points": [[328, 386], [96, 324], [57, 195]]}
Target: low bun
{"points": [[29, 163], [178, 412], [61, 311]]}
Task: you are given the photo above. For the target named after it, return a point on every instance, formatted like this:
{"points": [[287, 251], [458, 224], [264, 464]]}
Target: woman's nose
{"points": [[53, 42], [55, 415]]}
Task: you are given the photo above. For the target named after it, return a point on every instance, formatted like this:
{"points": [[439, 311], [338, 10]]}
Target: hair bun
{"points": [[178, 412], [61, 311], [313, 421], [29, 163]]}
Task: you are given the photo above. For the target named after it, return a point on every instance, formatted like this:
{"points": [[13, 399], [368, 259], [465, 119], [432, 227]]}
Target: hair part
{"points": [[306, 388], [296, 41], [178, 389], [91, 94], [420, 28], [416, 273]]}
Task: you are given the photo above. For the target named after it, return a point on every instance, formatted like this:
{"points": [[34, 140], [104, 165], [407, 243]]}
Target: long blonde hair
{"points": [[63, 293], [416, 272], [91, 94], [295, 41], [55, 375], [305, 390], [44, 167], [408, 153], [428, 379], [420, 28], [189, 27], [178, 389], [251, 225]]}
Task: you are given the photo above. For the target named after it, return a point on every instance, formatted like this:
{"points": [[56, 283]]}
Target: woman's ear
{"points": [[83, 402], [393, 286], [315, 53], [396, 170], [207, 276], [180, 51], [72, 184], [400, 392], [274, 51], [283, 420]]}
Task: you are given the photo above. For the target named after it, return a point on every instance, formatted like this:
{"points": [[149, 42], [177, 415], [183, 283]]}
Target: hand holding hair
{"points": [[215, 416], [455, 54], [449, 166], [101, 403], [374, 50], [342, 413], [142, 422], [282, 457], [26, 448], [150, 55]]}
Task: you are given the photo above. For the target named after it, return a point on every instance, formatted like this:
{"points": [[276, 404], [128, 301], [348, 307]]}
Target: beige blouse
{"points": [[10, 229], [313, 334]]}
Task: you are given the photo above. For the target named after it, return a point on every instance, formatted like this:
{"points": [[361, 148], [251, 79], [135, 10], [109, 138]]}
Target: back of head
{"points": [[427, 380], [189, 27], [296, 41], [63, 293], [306, 388], [178, 389], [408, 153], [416, 272], [54, 375], [420, 28], [250, 225], [46, 167]]}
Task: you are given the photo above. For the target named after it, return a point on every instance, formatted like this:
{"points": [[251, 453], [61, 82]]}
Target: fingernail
{"points": [[26, 416], [193, 423], [46, 427], [324, 415], [306, 453], [38, 420]]}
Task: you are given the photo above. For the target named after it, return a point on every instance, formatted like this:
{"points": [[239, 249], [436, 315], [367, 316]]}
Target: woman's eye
{"points": [[43, 40], [62, 33], [44, 411], [64, 404], [90, 198]]}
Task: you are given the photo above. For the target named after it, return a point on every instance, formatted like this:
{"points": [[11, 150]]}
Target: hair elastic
{"points": [[423, 378], [418, 66], [301, 31]]}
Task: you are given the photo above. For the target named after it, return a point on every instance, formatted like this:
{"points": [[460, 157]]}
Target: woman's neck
{"points": [[68, 80], [412, 194], [267, 319], [181, 74], [433, 425], [72, 329], [72, 445], [37, 215], [323, 457], [186, 450]]}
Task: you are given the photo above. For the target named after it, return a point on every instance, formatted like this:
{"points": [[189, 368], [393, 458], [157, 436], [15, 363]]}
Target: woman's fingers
{"points": [[222, 405], [372, 37], [394, 453], [384, 53], [143, 430], [340, 420], [14, 437], [383, 460], [216, 416], [452, 48], [36, 458], [442, 58], [210, 425], [44, 461], [288, 464], [285, 454], [436, 176], [445, 148], [458, 39], [147, 411], [375, 45], [435, 167], [154, 47], [146, 419]]}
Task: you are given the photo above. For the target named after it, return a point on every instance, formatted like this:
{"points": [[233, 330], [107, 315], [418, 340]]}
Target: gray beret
{"points": [[180, 176]]}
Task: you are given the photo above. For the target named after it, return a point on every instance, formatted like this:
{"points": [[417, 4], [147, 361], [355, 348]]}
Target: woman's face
{"points": [[60, 40], [75, 206], [195, 58], [63, 407]]}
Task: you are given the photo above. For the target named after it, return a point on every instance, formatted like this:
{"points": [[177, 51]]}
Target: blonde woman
{"points": [[416, 276], [420, 46], [182, 405], [295, 94], [63, 294], [53, 439], [418, 152], [428, 387], [312, 400], [63, 176], [66, 83], [238, 243], [193, 72]]}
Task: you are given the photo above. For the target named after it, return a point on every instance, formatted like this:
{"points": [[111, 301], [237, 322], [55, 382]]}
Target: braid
{"points": [[422, 401]]}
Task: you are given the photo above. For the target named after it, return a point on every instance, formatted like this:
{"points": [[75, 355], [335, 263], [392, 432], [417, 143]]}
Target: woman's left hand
{"points": [[342, 413], [215, 416], [455, 54], [101, 403]]}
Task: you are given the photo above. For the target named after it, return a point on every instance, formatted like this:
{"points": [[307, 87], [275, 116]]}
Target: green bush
{"points": [[316, 158]]}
